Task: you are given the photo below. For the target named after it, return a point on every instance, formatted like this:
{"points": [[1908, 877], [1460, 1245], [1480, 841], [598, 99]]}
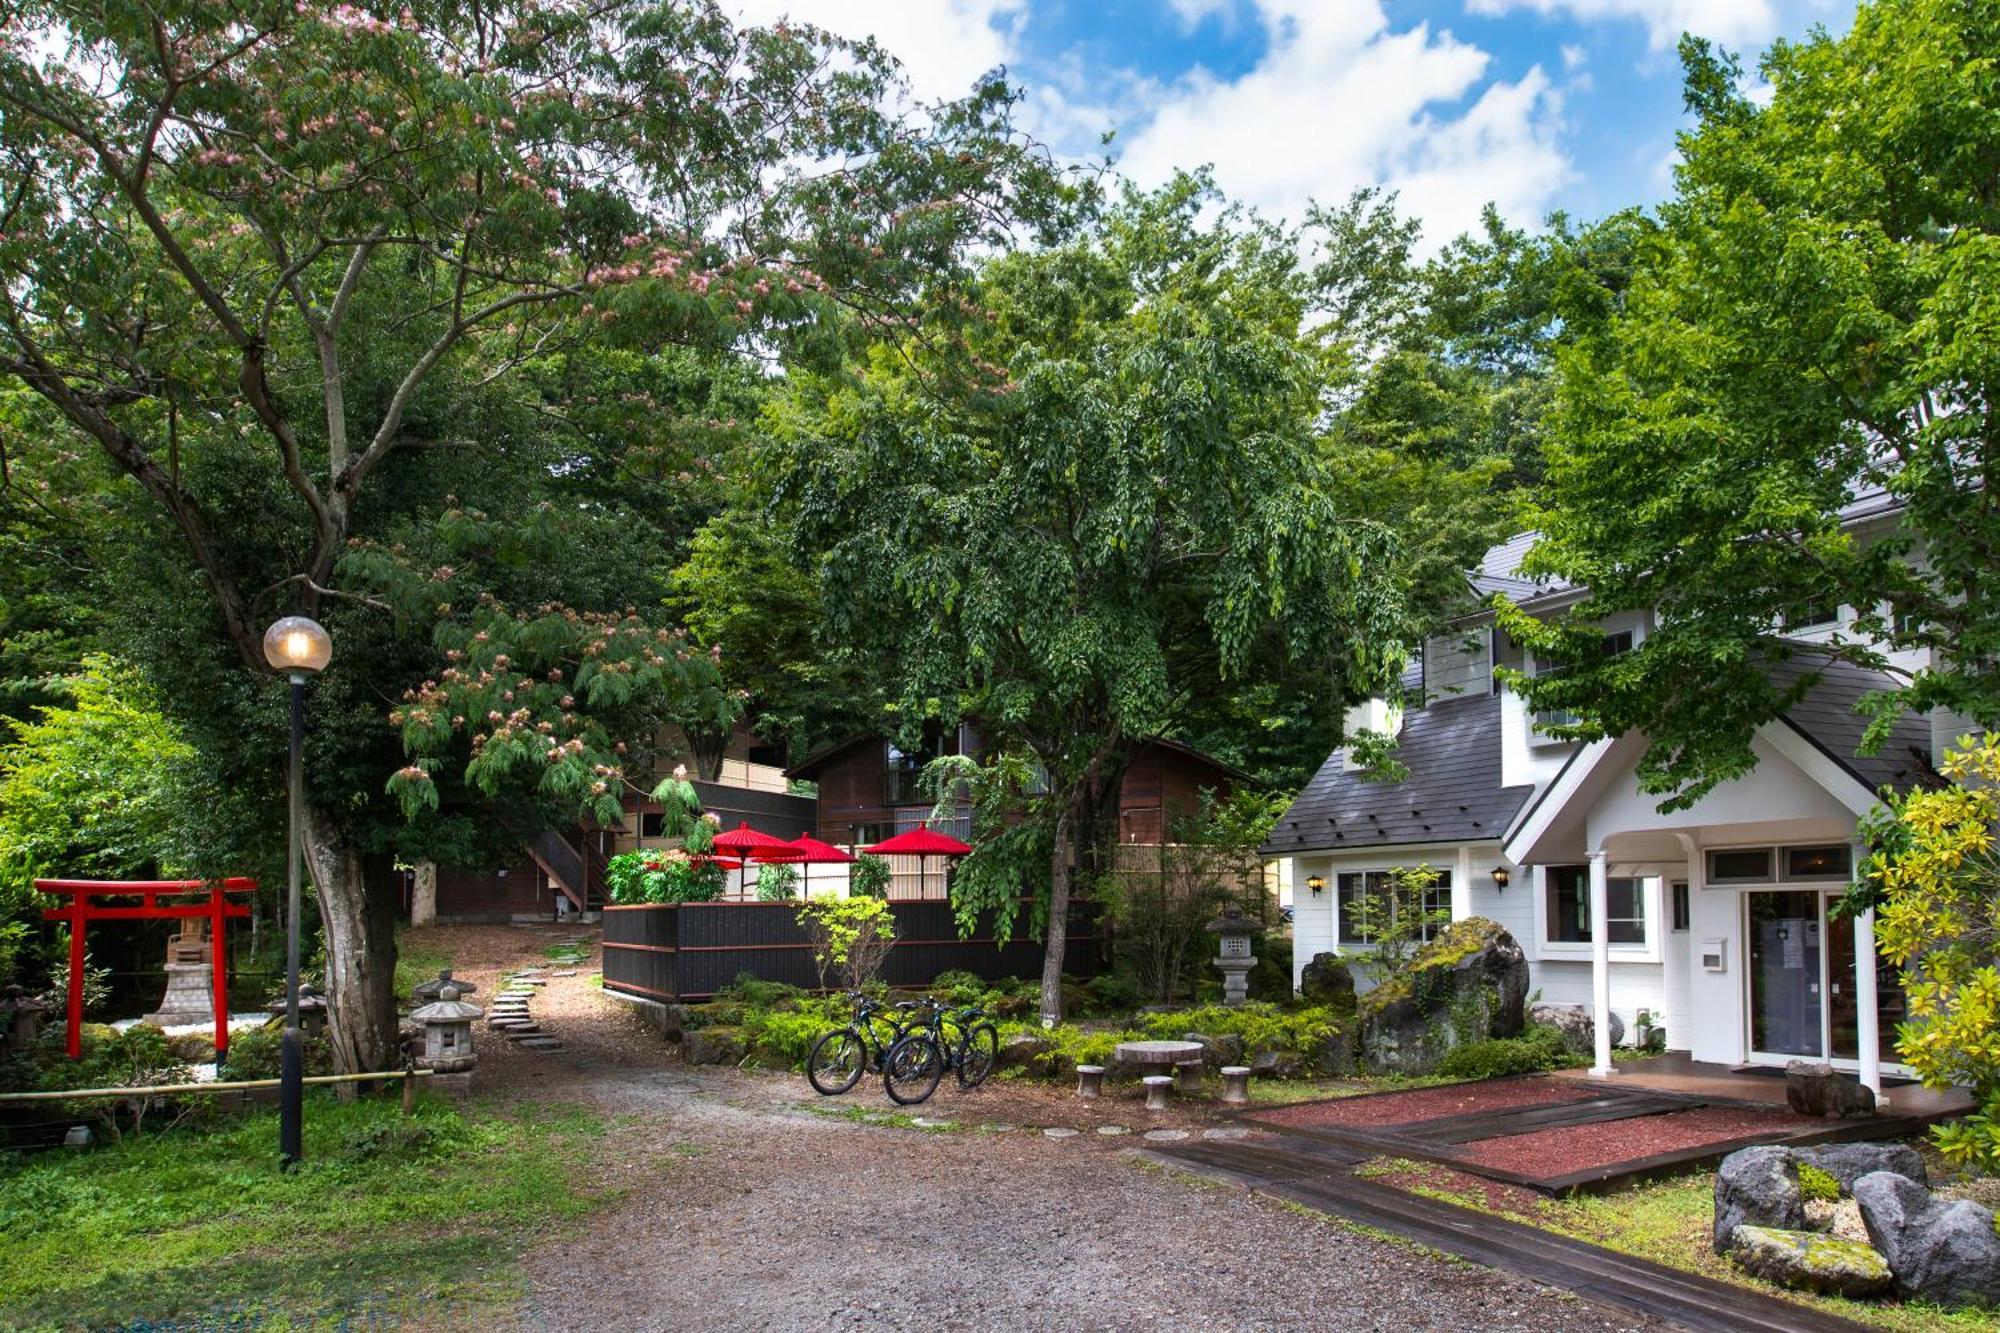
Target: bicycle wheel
{"points": [[981, 1056], [911, 1070], [836, 1062]]}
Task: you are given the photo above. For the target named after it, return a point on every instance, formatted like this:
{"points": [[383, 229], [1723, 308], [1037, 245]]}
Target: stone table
{"points": [[1167, 1057]]}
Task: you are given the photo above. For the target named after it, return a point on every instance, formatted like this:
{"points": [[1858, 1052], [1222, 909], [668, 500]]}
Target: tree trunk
{"points": [[1056, 938], [424, 897], [360, 933]]}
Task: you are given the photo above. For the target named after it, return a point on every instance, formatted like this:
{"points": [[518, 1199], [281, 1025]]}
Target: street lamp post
{"points": [[300, 648]]}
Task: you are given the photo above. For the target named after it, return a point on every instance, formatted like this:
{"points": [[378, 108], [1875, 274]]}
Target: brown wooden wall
{"points": [[488, 895]]}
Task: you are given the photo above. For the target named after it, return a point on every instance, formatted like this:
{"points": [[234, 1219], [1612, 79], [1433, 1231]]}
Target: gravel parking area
{"points": [[761, 1215], [751, 1203]]}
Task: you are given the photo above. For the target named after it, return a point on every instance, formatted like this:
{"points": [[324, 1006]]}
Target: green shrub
{"points": [[1536, 1050], [777, 883], [1113, 993], [257, 1053], [663, 876], [1816, 1184], [962, 986], [1302, 1033], [760, 994], [784, 1037], [869, 876]]}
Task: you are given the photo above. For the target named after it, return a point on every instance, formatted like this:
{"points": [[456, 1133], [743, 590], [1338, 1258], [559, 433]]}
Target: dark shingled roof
{"points": [[1826, 717], [1452, 793]]}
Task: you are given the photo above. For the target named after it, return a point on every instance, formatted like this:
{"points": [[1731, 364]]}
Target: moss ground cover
{"points": [[386, 1216]]}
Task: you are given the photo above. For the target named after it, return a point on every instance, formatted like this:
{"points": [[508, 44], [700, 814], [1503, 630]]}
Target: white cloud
{"points": [[1573, 55], [1341, 99], [945, 45], [1733, 22]]}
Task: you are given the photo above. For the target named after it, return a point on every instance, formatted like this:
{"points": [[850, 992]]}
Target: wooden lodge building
{"points": [[867, 791]]}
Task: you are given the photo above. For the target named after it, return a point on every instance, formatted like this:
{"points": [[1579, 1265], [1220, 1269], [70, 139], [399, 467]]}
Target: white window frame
{"points": [[1442, 886], [1652, 898]]}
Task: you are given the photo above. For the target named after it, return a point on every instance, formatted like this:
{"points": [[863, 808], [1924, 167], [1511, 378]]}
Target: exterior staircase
{"points": [[570, 870]]}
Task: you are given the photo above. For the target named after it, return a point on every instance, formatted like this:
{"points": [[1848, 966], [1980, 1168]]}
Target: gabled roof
{"points": [[1452, 793], [1826, 717], [1500, 572]]}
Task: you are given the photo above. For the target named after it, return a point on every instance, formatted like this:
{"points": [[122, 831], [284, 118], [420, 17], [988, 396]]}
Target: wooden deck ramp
{"points": [[1320, 1175]]}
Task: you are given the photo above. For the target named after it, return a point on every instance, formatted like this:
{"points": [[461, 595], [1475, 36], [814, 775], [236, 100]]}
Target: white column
{"points": [[1868, 1013], [1600, 962], [1461, 885]]}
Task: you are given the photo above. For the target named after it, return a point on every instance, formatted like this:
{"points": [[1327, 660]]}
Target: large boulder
{"points": [[1023, 1049], [1578, 1028], [1217, 1051], [1944, 1253], [1810, 1261], [1813, 1088], [714, 1046], [1328, 980], [1757, 1187], [1848, 1162], [1469, 984]]}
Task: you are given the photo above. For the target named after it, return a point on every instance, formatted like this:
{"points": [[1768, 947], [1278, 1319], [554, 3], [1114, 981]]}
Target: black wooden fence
{"points": [[689, 951]]}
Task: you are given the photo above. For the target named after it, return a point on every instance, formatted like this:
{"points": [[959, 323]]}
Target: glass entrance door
{"points": [[1802, 993], [1785, 984]]}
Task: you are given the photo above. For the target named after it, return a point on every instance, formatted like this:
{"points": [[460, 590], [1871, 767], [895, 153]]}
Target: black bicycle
{"points": [[842, 1056], [961, 1039]]}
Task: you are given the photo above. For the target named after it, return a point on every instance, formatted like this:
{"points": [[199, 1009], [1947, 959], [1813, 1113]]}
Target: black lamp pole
{"points": [[299, 647], [292, 1056]]}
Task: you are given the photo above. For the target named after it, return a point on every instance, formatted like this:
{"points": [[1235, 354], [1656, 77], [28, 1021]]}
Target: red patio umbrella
{"points": [[748, 844], [812, 852], [922, 842]]}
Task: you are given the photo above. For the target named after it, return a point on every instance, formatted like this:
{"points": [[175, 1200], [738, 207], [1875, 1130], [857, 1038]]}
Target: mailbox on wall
{"points": [[1715, 955]]}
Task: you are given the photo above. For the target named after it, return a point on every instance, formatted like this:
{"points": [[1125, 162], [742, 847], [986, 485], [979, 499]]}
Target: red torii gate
{"points": [[214, 904]]}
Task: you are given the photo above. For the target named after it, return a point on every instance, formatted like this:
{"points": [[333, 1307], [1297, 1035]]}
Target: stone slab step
{"points": [[542, 1044]]}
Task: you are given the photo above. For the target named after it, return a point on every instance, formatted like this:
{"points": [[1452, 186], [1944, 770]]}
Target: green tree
{"points": [[1104, 503], [104, 786], [298, 276], [1933, 876], [1812, 322]]}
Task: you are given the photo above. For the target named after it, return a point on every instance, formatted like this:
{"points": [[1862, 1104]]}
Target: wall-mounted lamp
{"points": [[1317, 883], [1500, 877]]}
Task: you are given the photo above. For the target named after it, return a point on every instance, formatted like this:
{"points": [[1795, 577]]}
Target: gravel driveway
{"points": [[749, 1209]]}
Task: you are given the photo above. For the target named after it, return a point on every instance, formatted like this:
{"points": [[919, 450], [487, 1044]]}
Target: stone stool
{"points": [[1156, 1090], [1089, 1080], [1187, 1078], [1236, 1084]]}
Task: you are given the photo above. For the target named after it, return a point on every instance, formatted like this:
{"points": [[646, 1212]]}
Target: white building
{"points": [[1716, 917]]}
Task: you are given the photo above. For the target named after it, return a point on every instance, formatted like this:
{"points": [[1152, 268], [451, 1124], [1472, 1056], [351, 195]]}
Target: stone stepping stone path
{"points": [[524, 1033], [1233, 1132], [1058, 1132], [926, 1122], [1166, 1135], [1113, 1129], [542, 1043], [997, 1127]]}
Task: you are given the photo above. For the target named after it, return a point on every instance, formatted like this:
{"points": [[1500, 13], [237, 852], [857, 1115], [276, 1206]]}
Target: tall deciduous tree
{"points": [[259, 253], [1110, 501], [1813, 322]]}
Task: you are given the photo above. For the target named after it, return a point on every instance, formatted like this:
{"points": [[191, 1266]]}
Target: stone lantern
{"points": [[1233, 957], [424, 992], [312, 1009], [447, 1025], [20, 1019]]}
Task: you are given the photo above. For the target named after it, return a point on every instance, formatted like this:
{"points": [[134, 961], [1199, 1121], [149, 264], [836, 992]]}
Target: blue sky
{"points": [[1533, 104]]}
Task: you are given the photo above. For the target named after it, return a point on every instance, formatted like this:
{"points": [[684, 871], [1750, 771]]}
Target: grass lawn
{"points": [[416, 962], [387, 1219], [1670, 1222]]}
